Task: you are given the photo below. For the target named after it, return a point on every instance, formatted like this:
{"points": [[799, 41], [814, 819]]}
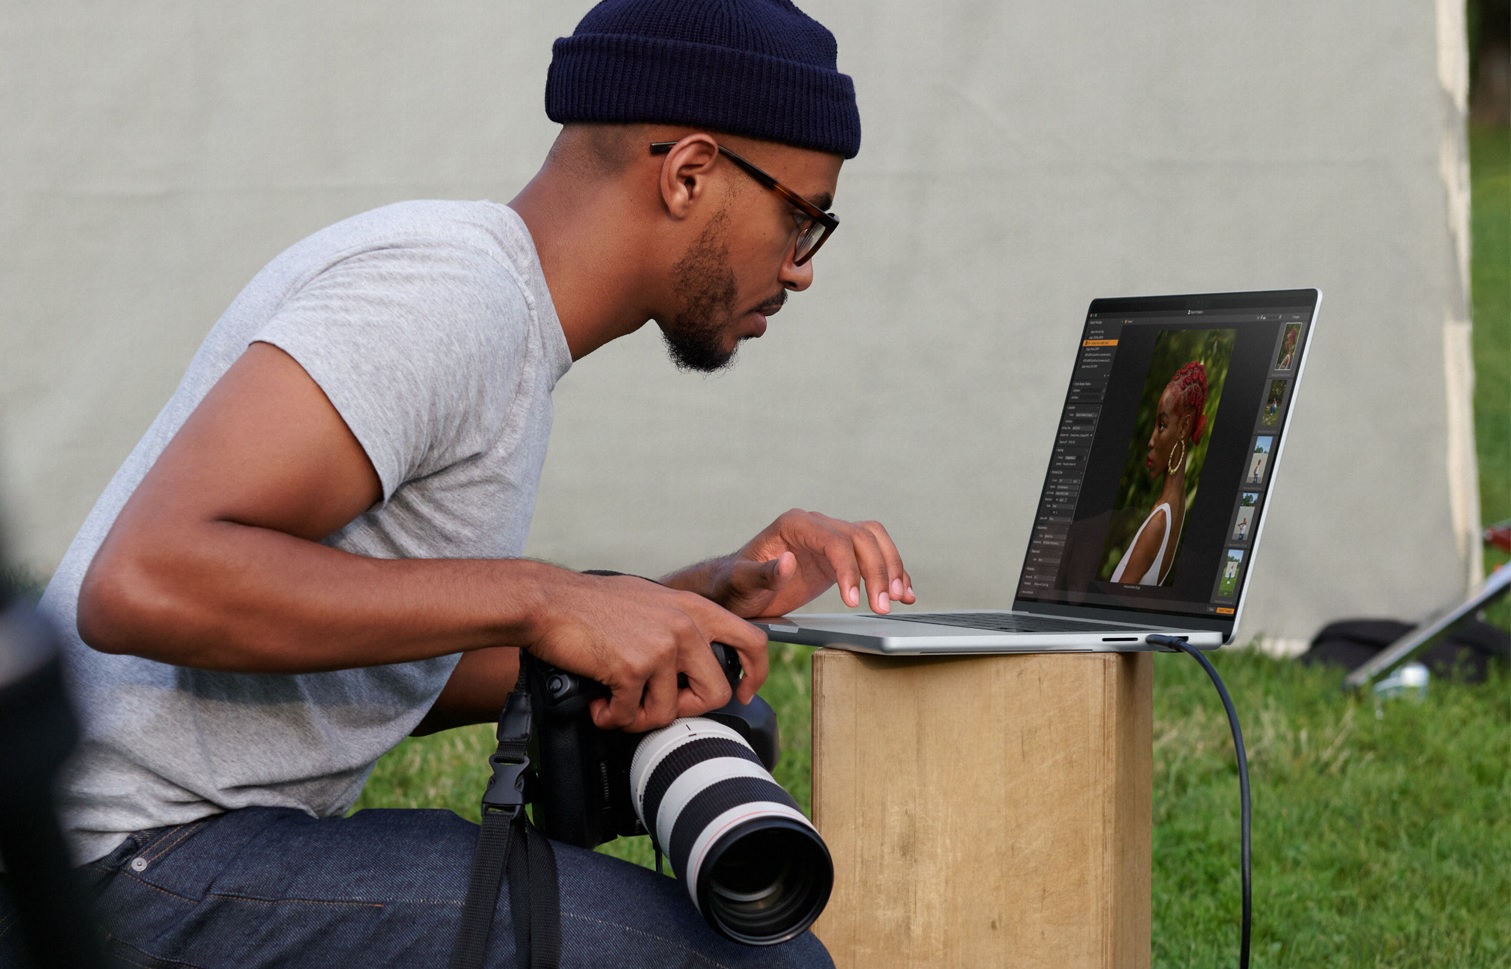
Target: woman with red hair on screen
{"points": [[1177, 420]]}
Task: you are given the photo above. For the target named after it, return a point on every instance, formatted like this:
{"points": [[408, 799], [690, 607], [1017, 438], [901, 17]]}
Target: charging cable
{"points": [[1176, 642]]}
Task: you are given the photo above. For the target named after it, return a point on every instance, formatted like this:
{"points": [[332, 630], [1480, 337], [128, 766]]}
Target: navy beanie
{"points": [[759, 68]]}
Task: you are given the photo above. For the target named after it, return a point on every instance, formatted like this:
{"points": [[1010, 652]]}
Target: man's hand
{"points": [[635, 636], [796, 558]]}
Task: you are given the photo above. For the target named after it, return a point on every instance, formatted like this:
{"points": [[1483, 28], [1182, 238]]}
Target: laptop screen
{"points": [[1164, 457]]}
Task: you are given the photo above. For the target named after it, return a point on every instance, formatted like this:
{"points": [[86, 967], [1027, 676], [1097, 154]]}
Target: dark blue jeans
{"points": [[275, 887]]}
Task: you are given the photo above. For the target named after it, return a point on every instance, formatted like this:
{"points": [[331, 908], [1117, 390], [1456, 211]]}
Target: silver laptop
{"points": [[1156, 493]]}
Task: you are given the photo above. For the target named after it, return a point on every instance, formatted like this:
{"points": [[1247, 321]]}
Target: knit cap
{"points": [[759, 68]]}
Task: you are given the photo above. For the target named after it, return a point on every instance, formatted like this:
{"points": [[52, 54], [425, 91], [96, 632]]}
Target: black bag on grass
{"points": [[1464, 653]]}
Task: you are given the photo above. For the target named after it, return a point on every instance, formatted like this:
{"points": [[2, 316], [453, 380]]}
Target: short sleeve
{"points": [[413, 345]]}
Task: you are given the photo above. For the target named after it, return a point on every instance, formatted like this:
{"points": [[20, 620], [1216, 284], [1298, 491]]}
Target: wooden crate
{"points": [[989, 811]]}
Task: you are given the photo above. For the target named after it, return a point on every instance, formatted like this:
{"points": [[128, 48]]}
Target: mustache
{"points": [[773, 305]]}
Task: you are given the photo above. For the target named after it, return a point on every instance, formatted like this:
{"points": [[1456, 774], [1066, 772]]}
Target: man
{"points": [[313, 551]]}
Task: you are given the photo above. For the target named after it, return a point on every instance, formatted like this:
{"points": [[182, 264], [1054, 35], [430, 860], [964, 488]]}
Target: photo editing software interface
{"points": [[1162, 460]]}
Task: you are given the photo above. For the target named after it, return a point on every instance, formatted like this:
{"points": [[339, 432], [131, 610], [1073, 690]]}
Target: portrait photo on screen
{"points": [[1288, 346], [1273, 402], [1243, 522], [1259, 460], [1232, 573], [1177, 410]]}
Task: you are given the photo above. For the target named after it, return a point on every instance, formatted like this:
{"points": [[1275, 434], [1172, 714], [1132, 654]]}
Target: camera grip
{"points": [[582, 790]]}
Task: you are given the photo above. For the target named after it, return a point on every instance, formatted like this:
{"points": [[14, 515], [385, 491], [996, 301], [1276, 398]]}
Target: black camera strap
{"points": [[509, 842]]}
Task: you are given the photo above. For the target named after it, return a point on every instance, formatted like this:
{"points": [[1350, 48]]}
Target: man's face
{"points": [[740, 268], [705, 331]]}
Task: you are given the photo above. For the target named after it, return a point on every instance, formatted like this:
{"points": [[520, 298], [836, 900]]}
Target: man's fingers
{"points": [[771, 571], [638, 705], [615, 712], [857, 558], [747, 577], [754, 661], [899, 583], [874, 565], [705, 691], [644, 690], [660, 704], [861, 556]]}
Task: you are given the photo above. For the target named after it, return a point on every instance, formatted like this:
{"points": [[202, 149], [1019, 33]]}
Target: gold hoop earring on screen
{"points": [[1174, 461]]}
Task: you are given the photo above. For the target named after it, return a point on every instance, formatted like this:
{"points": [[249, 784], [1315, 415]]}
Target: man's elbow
{"points": [[116, 611]]}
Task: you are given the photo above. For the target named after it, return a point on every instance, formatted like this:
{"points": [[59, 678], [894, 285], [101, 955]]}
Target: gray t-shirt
{"points": [[429, 326]]}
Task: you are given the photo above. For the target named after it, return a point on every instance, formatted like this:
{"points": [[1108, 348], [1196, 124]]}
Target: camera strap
{"points": [[509, 842]]}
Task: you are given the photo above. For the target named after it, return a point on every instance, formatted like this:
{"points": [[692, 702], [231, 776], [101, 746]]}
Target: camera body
{"points": [[582, 791], [701, 787]]}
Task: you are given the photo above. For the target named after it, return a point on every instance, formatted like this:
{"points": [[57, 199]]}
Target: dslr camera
{"points": [[701, 787]]}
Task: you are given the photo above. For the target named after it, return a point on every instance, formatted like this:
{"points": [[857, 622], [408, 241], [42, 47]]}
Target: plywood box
{"points": [[985, 811]]}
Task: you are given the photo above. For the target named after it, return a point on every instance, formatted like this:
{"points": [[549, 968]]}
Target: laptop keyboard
{"points": [[1007, 622]]}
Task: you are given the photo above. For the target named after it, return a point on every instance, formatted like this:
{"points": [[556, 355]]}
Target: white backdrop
{"points": [[1018, 160]]}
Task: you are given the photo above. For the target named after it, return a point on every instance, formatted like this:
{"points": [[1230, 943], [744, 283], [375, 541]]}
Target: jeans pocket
{"points": [[155, 845], [146, 890], [186, 860]]}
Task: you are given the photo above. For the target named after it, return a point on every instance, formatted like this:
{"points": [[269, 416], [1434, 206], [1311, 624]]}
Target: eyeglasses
{"points": [[816, 226]]}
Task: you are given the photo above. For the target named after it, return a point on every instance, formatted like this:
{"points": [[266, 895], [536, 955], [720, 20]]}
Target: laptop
{"points": [[1154, 501]]}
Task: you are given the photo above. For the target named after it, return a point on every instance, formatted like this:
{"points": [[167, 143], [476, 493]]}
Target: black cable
{"points": [[1175, 642]]}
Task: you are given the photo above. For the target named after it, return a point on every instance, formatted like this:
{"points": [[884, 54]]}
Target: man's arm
{"points": [[476, 691], [216, 562]]}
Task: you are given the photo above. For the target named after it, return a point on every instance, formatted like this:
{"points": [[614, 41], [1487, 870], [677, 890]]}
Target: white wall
{"points": [[1018, 160]]}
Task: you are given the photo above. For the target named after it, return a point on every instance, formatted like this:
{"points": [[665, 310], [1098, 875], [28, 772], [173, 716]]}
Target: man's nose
{"points": [[794, 277]]}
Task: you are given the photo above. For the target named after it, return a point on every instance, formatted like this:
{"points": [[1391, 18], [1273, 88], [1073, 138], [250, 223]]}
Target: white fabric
{"points": [[1150, 577]]}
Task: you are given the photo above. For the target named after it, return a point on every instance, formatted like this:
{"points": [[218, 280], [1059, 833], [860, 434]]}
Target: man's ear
{"points": [[684, 178]]}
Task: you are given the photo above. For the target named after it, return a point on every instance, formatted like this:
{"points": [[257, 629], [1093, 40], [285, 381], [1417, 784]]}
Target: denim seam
{"points": [[669, 943], [351, 902], [157, 888], [156, 849]]}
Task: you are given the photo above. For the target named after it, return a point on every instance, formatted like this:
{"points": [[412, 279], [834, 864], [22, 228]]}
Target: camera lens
{"points": [[770, 881], [753, 864]]}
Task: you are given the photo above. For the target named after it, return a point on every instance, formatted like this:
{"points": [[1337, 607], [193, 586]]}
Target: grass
{"points": [[23, 583], [1490, 279], [1380, 831]]}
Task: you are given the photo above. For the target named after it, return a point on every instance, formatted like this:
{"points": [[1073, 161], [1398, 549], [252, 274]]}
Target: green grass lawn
{"points": [[1490, 167], [1490, 277], [1381, 834]]}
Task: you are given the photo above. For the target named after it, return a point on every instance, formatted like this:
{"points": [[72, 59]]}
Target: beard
{"points": [[706, 292]]}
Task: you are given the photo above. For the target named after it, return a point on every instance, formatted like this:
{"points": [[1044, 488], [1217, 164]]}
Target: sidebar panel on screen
{"points": [[1072, 449]]}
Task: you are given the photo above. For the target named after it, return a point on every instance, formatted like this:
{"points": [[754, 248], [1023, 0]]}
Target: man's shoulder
{"points": [[475, 254], [438, 222], [444, 283]]}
